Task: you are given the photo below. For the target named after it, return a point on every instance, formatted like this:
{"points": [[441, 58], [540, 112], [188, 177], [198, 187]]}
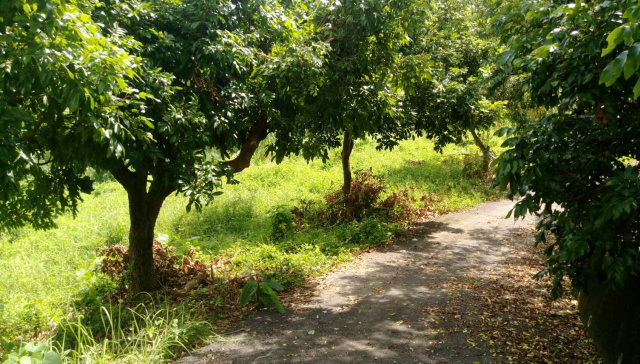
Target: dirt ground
{"points": [[457, 291]]}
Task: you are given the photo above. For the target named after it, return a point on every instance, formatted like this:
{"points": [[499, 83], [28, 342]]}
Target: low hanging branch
{"points": [[257, 133]]}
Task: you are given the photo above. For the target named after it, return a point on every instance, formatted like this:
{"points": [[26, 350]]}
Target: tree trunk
{"points": [[486, 151], [612, 317], [484, 148], [347, 148], [257, 133], [144, 208]]}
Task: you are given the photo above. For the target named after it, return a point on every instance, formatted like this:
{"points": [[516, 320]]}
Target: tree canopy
{"points": [[573, 167]]}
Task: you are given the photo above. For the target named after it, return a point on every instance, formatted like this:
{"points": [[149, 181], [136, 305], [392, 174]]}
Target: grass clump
{"points": [[152, 332]]}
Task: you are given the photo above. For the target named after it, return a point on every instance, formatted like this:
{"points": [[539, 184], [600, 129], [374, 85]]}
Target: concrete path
{"points": [[387, 307]]}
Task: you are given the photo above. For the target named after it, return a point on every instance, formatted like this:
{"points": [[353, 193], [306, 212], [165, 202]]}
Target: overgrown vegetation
{"points": [[249, 232]]}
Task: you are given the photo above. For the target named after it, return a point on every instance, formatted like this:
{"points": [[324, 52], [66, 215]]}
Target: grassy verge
{"points": [[46, 277]]}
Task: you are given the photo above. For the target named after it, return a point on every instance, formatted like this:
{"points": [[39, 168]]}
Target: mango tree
{"points": [[159, 94], [455, 100], [576, 168], [359, 90]]}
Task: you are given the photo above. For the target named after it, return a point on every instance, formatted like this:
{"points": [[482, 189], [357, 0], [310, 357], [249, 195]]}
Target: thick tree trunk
{"points": [[612, 317], [347, 148], [144, 208]]}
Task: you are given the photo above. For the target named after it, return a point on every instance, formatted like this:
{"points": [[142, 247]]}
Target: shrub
{"points": [[282, 223], [367, 190], [478, 166]]}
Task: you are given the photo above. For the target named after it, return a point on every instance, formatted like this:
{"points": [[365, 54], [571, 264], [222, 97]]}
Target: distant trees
{"points": [[359, 92], [454, 100]]}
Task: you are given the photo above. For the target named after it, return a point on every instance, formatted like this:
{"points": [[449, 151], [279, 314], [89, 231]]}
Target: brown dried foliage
{"points": [[478, 166], [172, 272], [367, 190], [514, 316], [213, 286]]}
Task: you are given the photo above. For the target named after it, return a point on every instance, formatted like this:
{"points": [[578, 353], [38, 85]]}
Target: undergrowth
{"points": [[50, 286]]}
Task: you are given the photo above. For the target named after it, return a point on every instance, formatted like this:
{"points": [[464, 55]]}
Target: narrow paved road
{"points": [[384, 308]]}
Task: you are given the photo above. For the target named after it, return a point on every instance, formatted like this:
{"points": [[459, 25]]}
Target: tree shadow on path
{"points": [[393, 305]]}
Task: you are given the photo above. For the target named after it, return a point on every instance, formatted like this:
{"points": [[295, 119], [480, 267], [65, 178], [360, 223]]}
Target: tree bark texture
{"points": [[257, 133], [486, 151], [347, 148], [484, 148], [144, 208], [612, 319]]}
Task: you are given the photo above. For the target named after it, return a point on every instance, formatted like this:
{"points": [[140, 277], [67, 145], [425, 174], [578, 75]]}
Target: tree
{"points": [[159, 94], [453, 101], [573, 167], [357, 92]]}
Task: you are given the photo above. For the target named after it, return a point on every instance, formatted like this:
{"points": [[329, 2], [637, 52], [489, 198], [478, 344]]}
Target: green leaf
{"points": [[16, 114], [633, 61], [265, 297], [504, 131], [632, 13], [273, 296], [74, 101], [613, 70], [248, 290], [51, 358], [273, 284], [613, 39], [636, 89], [540, 52]]}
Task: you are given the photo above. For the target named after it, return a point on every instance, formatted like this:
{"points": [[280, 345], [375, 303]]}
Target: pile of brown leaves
{"points": [[367, 190], [181, 279], [516, 316]]}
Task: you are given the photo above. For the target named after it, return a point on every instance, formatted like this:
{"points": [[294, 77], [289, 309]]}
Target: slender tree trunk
{"points": [[347, 148], [486, 151], [144, 208], [484, 148]]}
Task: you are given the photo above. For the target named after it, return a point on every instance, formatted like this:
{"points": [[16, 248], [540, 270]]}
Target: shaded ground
{"points": [[458, 291]]}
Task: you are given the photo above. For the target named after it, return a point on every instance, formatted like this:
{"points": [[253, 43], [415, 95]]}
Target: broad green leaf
{"points": [[248, 291], [613, 39], [636, 89], [273, 284], [633, 61], [51, 358], [74, 101], [265, 297], [540, 52], [613, 70], [274, 297]]}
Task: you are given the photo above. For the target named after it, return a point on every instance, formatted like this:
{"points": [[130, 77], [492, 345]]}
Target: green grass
{"points": [[43, 272]]}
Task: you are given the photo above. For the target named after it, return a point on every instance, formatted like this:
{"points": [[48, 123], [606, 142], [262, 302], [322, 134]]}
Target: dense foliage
{"points": [[453, 100], [159, 107], [573, 166]]}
